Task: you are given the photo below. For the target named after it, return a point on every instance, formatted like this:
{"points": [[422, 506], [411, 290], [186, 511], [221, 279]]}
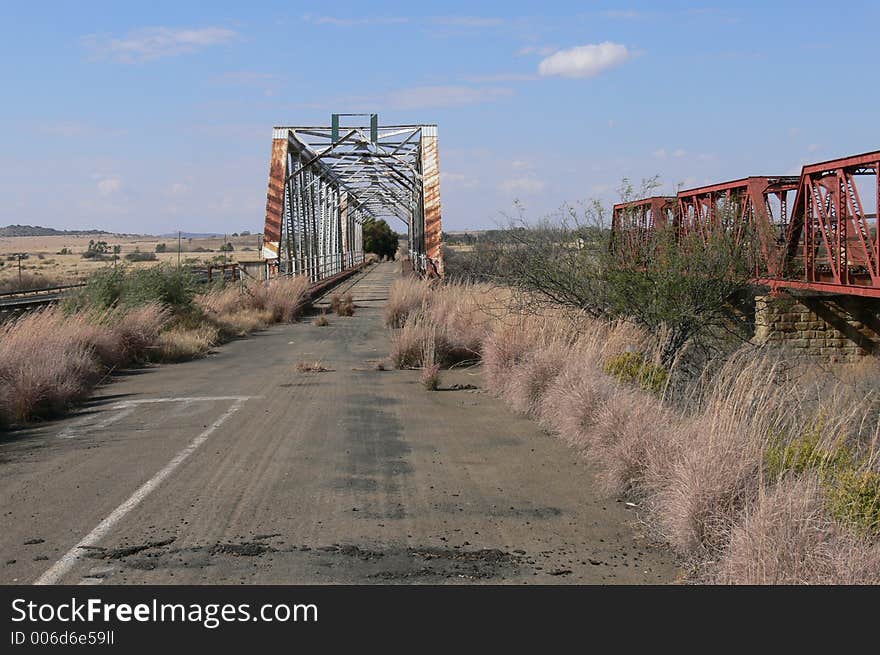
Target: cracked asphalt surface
{"points": [[238, 468]]}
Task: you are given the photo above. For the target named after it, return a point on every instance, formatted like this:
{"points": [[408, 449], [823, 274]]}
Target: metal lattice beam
{"points": [[325, 182], [825, 239]]}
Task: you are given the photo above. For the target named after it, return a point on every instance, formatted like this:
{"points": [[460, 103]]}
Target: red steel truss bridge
{"points": [[326, 182], [816, 232]]}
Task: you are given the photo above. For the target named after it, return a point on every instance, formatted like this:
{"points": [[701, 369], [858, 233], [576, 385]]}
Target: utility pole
{"points": [[178, 248], [18, 255]]}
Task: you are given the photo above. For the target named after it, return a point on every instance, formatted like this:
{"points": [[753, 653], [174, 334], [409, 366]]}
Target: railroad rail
{"points": [[18, 301], [28, 299], [816, 231]]}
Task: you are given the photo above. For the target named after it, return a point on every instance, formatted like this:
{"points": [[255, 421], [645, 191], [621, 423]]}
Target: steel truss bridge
{"points": [[327, 182], [816, 232]]}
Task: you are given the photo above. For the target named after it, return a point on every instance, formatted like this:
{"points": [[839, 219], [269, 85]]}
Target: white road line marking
{"points": [[72, 430], [63, 565], [179, 399]]}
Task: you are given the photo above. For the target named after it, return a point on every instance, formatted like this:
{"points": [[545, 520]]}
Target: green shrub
{"points": [[854, 499], [852, 491], [163, 284], [806, 453], [636, 368], [103, 290], [166, 284]]}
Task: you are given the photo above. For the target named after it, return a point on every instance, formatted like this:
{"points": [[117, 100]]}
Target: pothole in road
{"points": [[330, 562], [96, 552], [414, 563]]}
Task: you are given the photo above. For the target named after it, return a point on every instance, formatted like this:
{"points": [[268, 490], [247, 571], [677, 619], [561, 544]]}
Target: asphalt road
{"points": [[238, 468]]}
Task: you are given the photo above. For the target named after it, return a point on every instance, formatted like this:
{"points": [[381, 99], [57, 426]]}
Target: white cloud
{"points": [[678, 152], [459, 180], [420, 97], [522, 184], [813, 147], [109, 185], [156, 42], [178, 189], [659, 153], [585, 60], [521, 164]]}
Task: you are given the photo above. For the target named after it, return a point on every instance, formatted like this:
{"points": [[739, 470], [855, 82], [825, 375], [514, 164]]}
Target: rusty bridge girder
{"points": [[326, 182], [814, 230]]}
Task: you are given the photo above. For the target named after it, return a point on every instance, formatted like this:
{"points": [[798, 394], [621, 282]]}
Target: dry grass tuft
{"points": [[418, 337], [50, 360], [530, 380], [406, 296], [139, 329], [430, 377], [181, 344], [786, 537], [321, 320], [42, 370], [286, 298], [345, 306]]}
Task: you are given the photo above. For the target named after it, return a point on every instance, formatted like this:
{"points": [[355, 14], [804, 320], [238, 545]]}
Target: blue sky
{"points": [[153, 117]]}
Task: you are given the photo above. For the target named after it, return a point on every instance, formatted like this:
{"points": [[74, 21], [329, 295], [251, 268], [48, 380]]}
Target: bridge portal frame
{"points": [[327, 182]]}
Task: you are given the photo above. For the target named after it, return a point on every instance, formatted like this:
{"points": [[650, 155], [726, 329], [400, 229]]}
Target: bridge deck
{"points": [[349, 475]]}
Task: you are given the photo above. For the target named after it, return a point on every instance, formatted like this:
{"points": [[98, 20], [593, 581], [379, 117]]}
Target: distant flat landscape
{"points": [[56, 256]]}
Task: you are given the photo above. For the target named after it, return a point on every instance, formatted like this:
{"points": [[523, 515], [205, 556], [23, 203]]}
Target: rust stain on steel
{"points": [[275, 199], [831, 243], [431, 186]]}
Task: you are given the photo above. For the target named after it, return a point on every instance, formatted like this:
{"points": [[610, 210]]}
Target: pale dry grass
{"points": [[50, 360], [181, 344], [139, 329], [406, 296], [696, 465], [286, 298], [786, 537], [418, 336], [529, 381], [244, 321]]}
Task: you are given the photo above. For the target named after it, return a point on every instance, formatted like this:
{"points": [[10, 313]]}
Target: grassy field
{"points": [[44, 261]]}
